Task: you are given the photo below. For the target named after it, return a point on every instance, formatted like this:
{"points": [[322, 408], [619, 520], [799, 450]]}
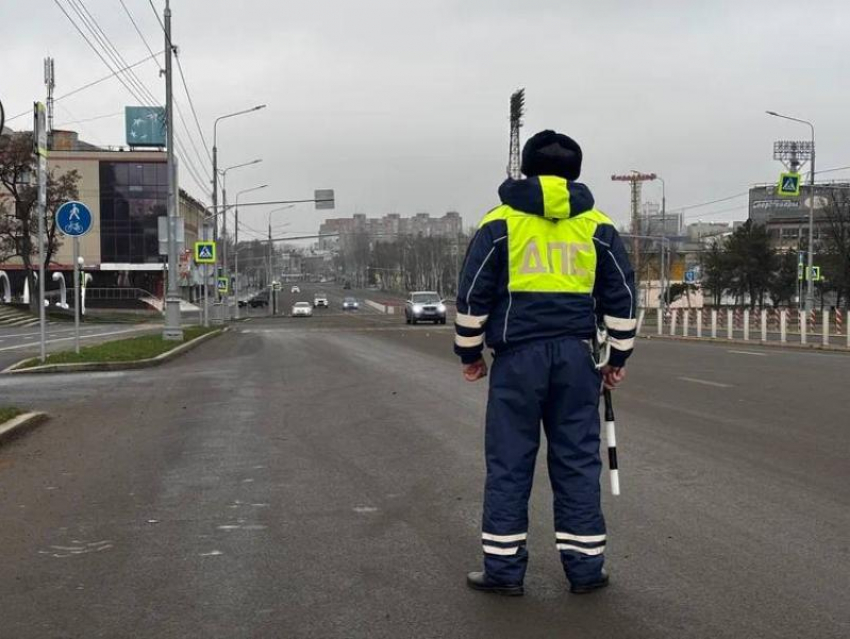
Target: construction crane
{"points": [[635, 180]]}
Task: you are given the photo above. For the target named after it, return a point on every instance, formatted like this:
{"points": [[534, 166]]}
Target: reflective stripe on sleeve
{"points": [[621, 344], [620, 323], [469, 342], [470, 321]]}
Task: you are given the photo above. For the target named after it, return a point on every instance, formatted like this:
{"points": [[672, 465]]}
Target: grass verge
{"points": [[122, 350], [8, 412]]}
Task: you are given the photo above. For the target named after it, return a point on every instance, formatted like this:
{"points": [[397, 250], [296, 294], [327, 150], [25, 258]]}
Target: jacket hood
{"points": [[548, 196]]}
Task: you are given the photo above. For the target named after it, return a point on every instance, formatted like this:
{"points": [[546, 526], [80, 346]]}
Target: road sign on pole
{"points": [[789, 185], [74, 219], [690, 276], [222, 285], [205, 252]]}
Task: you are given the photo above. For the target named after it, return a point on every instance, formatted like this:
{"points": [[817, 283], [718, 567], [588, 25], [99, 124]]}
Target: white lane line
{"points": [[705, 382], [749, 353], [66, 339]]}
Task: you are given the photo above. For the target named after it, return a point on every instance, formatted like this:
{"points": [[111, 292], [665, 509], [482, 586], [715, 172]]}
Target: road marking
{"points": [[749, 353], [67, 339], [705, 382]]}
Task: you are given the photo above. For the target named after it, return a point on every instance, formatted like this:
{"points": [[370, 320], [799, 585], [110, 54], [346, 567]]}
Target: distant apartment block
{"points": [[392, 226]]}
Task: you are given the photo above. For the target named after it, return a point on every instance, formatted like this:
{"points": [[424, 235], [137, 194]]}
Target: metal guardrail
{"points": [[117, 293]]}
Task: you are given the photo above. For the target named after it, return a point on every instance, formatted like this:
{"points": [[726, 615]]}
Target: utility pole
{"points": [[40, 143], [172, 330]]}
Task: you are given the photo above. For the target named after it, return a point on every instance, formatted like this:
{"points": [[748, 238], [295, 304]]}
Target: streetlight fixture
{"points": [[236, 245], [215, 160], [810, 282]]}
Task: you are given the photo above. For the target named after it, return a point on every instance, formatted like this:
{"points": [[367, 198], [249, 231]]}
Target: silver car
{"points": [[425, 306], [302, 309]]}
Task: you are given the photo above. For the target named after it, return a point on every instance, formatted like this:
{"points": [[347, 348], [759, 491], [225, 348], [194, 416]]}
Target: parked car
{"points": [[302, 309], [295, 289], [320, 300], [424, 306], [350, 304]]}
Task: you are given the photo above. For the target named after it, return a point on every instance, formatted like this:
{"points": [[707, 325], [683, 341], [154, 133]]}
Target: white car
{"points": [[295, 289], [302, 309], [320, 300]]}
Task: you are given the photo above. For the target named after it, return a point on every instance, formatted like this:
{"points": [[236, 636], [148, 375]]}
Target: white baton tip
{"points": [[615, 482]]}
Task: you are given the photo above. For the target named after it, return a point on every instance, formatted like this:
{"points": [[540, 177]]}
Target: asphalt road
{"points": [[322, 478]]}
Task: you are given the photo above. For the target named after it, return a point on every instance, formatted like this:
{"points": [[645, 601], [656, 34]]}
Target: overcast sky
{"points": [[402, 106]]}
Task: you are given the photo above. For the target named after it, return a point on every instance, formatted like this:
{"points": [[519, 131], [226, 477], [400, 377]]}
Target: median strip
{"points": [[132, 353]]}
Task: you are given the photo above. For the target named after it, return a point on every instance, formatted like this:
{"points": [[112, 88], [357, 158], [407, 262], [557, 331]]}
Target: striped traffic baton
{"points": [[611, 438]]}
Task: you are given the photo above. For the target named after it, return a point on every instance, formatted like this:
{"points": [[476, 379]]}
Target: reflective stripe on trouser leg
{"points": [[517, 384], [571, 422]]}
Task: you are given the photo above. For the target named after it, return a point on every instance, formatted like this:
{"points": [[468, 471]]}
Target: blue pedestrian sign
{"points": [[690, 276], [74, 219]]}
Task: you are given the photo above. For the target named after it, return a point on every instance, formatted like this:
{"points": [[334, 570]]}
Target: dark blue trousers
{"points": [[553, 382]]}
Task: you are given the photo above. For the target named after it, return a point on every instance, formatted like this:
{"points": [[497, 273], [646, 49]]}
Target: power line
{"points": [[192, 106], [89, 85], [136, 27], [176, 104], [98, 117], [146, 97], [183, 81]]}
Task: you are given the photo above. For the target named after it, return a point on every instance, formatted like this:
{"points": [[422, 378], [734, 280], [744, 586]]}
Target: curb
{"points": [[90, 367], [753, 343], [18, 425]]}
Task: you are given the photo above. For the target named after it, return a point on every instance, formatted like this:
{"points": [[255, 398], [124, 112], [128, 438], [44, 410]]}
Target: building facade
{"points": [[787, 218], [126, 192]]}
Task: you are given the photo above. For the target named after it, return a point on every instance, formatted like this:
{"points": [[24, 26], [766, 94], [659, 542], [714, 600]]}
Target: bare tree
{"points": [[18, 205]]}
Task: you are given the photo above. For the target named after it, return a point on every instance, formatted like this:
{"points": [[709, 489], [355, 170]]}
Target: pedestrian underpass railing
{"points": [[828, 327]]}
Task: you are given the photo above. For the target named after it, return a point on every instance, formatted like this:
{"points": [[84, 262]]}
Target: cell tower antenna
{"points": [[50, 84], [517, 113]]}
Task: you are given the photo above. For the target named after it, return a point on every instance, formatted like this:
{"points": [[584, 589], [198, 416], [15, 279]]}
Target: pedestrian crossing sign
{"points": [[789, 184], [221, 283], [204, 252]]}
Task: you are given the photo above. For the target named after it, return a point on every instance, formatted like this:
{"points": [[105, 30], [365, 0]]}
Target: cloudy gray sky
{"points": [[401, 106]]}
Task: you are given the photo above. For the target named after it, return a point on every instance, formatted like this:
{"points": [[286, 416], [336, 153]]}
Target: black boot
{"points": [[480, 581], [583, 589]]}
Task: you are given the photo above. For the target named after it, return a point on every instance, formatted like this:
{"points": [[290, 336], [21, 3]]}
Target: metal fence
{"points": [[783, 325]]}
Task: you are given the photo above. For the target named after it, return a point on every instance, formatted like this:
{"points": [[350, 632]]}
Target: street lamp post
{"points": [[225, 259], [810, 282], [236, 245], [215, 159], [664, 256], [270, 254]]}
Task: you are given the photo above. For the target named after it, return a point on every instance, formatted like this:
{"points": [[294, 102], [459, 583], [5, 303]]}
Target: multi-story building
{"points": [[392, 226], [126, 192], [787, 218]]}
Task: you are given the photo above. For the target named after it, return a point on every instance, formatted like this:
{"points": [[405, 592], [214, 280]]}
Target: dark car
{"points": [[350, 304], [260, 300], [424, 306]]}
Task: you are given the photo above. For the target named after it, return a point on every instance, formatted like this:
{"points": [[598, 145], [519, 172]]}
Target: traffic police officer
{"points": [[543, 271]]}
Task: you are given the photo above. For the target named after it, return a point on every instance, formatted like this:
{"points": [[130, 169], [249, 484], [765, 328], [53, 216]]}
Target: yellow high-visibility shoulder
{"points": [[597, 216], [501, 212]]}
